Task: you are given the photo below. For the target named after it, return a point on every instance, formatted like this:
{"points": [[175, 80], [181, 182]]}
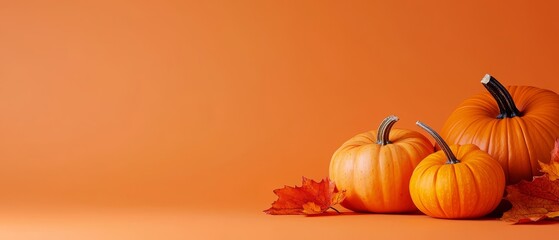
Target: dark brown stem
{"points": [[451, 158], [507, 108], [383, 132], [335, 210]]}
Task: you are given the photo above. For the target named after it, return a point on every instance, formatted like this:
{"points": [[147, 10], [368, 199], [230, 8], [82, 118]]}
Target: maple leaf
{"points": [[533, 201], [552, 169], [536, 200], [311, 198]]}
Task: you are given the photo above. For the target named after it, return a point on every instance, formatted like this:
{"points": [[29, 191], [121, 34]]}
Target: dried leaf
{"points": [[552, 169], [536, 200], [311, 198], [311, 208], [532, 201]]}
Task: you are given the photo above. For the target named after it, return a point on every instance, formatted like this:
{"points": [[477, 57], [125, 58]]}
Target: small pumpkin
{"points": [[517, 125], [374, 168], [459, 181]]}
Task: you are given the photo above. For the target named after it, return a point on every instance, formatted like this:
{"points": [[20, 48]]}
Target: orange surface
{"points": [[180, 117]]}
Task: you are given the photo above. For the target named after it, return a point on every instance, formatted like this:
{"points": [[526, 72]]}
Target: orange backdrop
{"points": [[212, 104]]}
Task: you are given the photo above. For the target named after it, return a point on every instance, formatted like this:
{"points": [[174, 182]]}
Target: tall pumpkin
{"points": [[516, 125], [374, 168]]}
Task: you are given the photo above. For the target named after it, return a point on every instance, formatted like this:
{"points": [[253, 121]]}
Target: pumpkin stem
{"points": [[451, 158], [384, 129], [507, 108]]}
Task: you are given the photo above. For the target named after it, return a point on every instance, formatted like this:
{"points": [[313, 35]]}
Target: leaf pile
{"points": [[536, 200], [311, 198]]}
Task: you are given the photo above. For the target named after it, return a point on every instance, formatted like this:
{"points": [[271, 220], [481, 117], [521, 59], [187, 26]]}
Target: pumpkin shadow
{"points": [[351, 213], [503, 206], [329, 214]]}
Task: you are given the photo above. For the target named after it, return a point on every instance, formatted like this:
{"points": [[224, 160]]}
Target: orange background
{"points": [[189, 113]]}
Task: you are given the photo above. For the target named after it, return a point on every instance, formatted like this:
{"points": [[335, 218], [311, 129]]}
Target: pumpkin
{"points": [[374, 168], [459, 181], [516, 125]]}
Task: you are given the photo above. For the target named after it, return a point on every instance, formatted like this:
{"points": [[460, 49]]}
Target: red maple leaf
{"points": [[311, 198], [533, 201], [536, 200]]}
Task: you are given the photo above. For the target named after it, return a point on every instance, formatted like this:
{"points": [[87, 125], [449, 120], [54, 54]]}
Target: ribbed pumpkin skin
{"points": [[517, 143], [376, 177], [469, 189]]}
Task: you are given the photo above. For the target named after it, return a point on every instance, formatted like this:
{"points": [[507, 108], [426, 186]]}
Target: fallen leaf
{"points": [[311, 198], [552, 169], [536, 200], [311, 208], [532, 201]]}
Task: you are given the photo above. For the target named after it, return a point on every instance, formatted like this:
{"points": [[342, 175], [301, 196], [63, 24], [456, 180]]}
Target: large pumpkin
{"points": [[374, 168], [457, 182], [516, 125]]}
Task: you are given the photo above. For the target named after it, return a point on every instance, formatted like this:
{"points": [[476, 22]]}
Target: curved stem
{"points": [[383, 132], [451, 158], [335, 210], [507, 108]]}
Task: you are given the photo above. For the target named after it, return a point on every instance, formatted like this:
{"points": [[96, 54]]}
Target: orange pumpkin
{"points": [[516, 125], [374, 168], [457, 182]]}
